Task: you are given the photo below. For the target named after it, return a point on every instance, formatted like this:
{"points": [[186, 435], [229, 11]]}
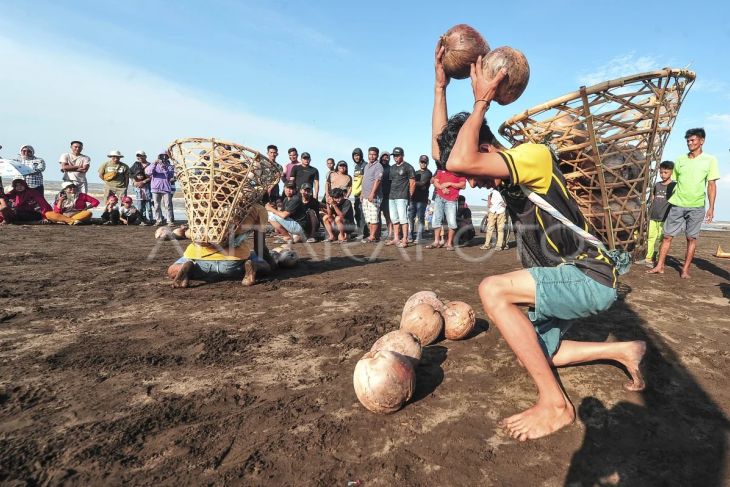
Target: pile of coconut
{"points": [[385, 377]]}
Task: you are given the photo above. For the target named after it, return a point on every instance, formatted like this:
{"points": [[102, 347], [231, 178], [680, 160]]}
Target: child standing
{"points": [[111, 212], [429, 215], [128, 213], [659, 207]]}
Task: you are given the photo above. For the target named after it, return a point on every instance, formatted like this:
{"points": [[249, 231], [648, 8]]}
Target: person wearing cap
{"points": [[27, 158], [128, 213], [357, 174], [293, 161], [115, 175], [304, 172], [142, 189], [339, 216], [372, 195], [72, 207], [402, 184], [419, 202], [75, 165], [21, 204], [385, 190], [243, 257], [312, 204], [162, 174], [338, 179], [289, 223]]}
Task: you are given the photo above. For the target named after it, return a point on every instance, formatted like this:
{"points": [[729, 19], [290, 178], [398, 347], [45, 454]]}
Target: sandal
{"points": [[390, 242], [450, 248], [402, 245], [432, 246]]}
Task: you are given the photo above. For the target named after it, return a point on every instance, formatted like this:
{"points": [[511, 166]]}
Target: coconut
{"points": [[518, 72], [568, 130], [459, 320], [188, 234], [384, 381], [287, 258], [463, 45], [428, 297], [165, 233], [180, 232], [424, 322], [402, 342]]}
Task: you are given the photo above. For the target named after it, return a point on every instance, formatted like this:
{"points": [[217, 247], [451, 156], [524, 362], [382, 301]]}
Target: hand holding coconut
{"points": [[485, 89]]}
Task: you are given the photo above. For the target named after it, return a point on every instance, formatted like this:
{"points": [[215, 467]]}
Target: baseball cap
{"points": [[290, 184], [423, 158], [398, 151], [140, 153], [305, 155], [305, 186]]}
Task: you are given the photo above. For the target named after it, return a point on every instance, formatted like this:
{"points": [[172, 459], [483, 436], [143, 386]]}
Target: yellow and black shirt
{"points": [[544, 241]]}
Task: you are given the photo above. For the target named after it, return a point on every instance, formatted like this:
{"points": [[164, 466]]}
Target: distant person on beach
{"points": [[27, 158], [128, 213], [429, 215], [22, 204], [290, 221], [111, 211], [75, 165], [385, 192], [273, 194], [371, 196], [312, 204], [293, 161], [695, 173], [304, 172], [566, 277], [330, 163], [496, 219], [115, 175], [162, 174], [447, 186], [658, 210], [142, 187], [338, 179], [339, 217], [358, 170], [465, 227], [243, 259], [72, 207], [417, 206], [402, 185]]}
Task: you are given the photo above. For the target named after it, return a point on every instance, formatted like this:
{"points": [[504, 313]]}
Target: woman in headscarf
{"points": [[22, 203], [71, 206], [27, 158]]}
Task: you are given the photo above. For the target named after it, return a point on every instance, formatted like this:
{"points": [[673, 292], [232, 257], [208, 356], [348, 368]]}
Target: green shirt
{"points": [[692, 176]]}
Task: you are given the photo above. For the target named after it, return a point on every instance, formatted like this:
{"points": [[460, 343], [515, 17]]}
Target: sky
{"points": [[325, 76]]}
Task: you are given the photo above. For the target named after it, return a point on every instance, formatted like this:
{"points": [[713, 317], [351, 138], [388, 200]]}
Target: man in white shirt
{"points": [[495, 218], [74, 166]]}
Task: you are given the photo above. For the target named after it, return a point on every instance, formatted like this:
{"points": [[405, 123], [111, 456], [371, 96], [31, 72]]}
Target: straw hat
{"points": [[115, 153]]}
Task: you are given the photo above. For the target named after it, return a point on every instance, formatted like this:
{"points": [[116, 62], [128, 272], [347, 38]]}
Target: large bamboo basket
{"points": [[610, 139], [220, 181]]}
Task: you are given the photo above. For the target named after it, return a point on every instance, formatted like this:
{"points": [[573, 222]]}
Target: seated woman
{"points": [[339, 180], [210, 263], [339, 216], [22, 204], [71, 206]]}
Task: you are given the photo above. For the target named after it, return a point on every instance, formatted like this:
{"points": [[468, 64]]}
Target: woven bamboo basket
{"points": [[220, 181], [610, 139]]}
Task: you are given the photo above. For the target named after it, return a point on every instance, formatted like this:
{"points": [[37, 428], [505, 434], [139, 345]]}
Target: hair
{"points": [[447, 137], [331, 159], [77, 142], [337, 193], [699, 132], [461, 199], [272, 146], [292, 149], [374, 149], [667, 165]]}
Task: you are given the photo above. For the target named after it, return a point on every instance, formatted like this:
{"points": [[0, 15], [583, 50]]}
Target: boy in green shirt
{"points": [[693, 172], [658, 210]]}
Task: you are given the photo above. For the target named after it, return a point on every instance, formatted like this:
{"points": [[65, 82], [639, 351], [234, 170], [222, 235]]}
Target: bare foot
{"points": [[249, 279], [540, 420], [633, 355], [182, 279], [656, 270], [684, 275]]}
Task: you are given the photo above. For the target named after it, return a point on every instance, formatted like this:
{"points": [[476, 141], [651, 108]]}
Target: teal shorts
{"points": [[564, 293]]}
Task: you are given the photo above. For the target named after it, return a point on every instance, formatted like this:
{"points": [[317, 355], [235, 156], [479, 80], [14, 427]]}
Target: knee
{"points": [[491, 293]]}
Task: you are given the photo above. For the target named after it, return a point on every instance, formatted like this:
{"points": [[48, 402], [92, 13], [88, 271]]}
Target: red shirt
{"points": [[27, 200], [448, 177], [80, 204]]}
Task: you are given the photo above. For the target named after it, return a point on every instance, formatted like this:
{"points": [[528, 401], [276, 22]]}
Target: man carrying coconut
{"points": [[565, 278]]}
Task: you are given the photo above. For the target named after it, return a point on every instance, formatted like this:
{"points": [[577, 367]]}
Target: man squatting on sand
{"points": [[242, 257], [565, 278]]}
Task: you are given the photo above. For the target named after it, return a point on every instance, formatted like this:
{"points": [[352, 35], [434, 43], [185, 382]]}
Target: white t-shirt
{"points": [[80, 160], [496, 202]]}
